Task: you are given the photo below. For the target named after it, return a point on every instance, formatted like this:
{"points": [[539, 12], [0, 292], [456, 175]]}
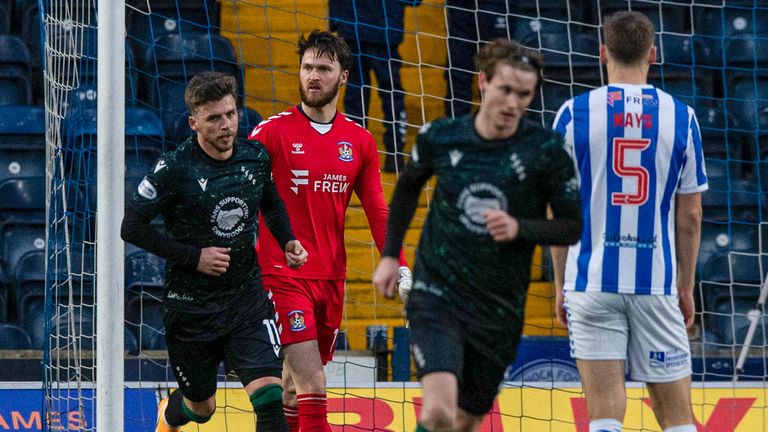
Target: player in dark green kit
{"points": [[496, 175], [209, 192]]}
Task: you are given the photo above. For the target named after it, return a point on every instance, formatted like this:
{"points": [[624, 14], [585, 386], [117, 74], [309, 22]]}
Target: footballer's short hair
{"points": [[628, 35], [505, 51], [326, 44], [209, 87]]}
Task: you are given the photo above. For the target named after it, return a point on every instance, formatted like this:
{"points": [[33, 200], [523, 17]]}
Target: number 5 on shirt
{"points": [[620, 167]]}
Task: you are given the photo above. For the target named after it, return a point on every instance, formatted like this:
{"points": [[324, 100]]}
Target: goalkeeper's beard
{"points": [[322, 99]]}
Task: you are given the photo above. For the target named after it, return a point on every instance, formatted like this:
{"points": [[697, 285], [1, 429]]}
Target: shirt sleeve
{"points": [[153, 195], [562, 189], [694, 177], [274, 212], [405, 200], [368, 189]]}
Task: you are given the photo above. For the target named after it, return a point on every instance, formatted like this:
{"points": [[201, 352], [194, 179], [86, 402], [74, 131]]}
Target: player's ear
{"points": [[344, 76], [603, 54], [192, 123], [652, 55], [482, 81]]}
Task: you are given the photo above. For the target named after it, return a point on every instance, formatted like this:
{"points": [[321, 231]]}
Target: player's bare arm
{"points": [[688, 215], [385, 276]]}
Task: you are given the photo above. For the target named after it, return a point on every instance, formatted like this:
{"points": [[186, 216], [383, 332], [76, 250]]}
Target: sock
{"points": [[174, 413], [291, 417], [313, 413], [197, 418], [268, 405], [605, 425], [420, 428], [681, 428]]}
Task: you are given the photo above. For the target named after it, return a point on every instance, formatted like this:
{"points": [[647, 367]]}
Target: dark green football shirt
{"points": [[457, 259], [205, 202]]}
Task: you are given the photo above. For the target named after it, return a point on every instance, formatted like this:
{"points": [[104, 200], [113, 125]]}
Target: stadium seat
{"points": [[247, 121], [21, 161], [148, 19], [18, 238], [723, 237], [732, 200], [173, 59], [15, 90], [83, 45], [6, 12], [130, 344], [33, 322], [4, 300], [14, 56], [669, 18], [14, 337], [144, 315], [144, 271], [679, 72], [22, 199], [22, 126], [81, 319], [724, 29], [568, 10]]}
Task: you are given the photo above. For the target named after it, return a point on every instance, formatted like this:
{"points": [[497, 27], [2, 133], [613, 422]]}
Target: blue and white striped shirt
{"points": [[634, 147]]}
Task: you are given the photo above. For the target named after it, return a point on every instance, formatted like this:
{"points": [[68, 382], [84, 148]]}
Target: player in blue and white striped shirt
{"points": [[629, 282]]}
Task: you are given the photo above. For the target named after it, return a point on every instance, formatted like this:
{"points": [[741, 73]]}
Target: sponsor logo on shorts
{"points": [[296, 318], [668, 359]]}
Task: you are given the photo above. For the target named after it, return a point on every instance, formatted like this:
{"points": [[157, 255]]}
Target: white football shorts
{"points": [[645, 330]]}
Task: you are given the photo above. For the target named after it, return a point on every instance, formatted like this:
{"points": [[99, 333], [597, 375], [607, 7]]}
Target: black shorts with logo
{"points": [[445, 340], [244, 336]]}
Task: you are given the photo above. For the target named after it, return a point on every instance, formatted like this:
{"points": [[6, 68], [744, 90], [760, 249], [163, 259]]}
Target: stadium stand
{"points": [[14, 337]]}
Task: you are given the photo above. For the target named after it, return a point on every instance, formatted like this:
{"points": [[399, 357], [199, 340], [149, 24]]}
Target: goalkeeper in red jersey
{"points": [[319, 158]]}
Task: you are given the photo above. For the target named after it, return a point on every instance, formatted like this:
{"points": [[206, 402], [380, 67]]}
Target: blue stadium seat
{"points": [[169, 16], [14, 56], [4, 303], [144, 316], [6, 11], [247, 121], [84, 44], [173, 59], [13, 337], [723, 237], [81, 319], [573, 61], [22, 126], [748, 103], [665, 17], [21, 161], [724, 29], [131, 345], [732, 200], [33, 321], [723, 149], [18, 238], [15, 90], [22, 199], [680, 72], [144, 271], [568, 10]]}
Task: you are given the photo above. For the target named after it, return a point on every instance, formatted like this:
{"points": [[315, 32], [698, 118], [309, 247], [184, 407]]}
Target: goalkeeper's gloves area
{"points": [[404, 283]]}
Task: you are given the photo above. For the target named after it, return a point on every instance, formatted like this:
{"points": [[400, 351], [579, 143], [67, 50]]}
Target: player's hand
{"points": [[501, 226], [295, 254], [385, 276], [560, 308], [404, 283], [214, 261], [688, 308]]}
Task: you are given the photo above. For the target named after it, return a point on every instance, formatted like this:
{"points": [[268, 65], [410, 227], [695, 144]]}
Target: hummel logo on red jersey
{"points": [[299, 178], [297, 148]]}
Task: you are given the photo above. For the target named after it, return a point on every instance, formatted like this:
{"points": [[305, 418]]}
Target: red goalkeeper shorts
{"points": [[307, 309]]}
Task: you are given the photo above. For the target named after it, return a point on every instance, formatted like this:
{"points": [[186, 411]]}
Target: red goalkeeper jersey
{"points": [[316, 167]]}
